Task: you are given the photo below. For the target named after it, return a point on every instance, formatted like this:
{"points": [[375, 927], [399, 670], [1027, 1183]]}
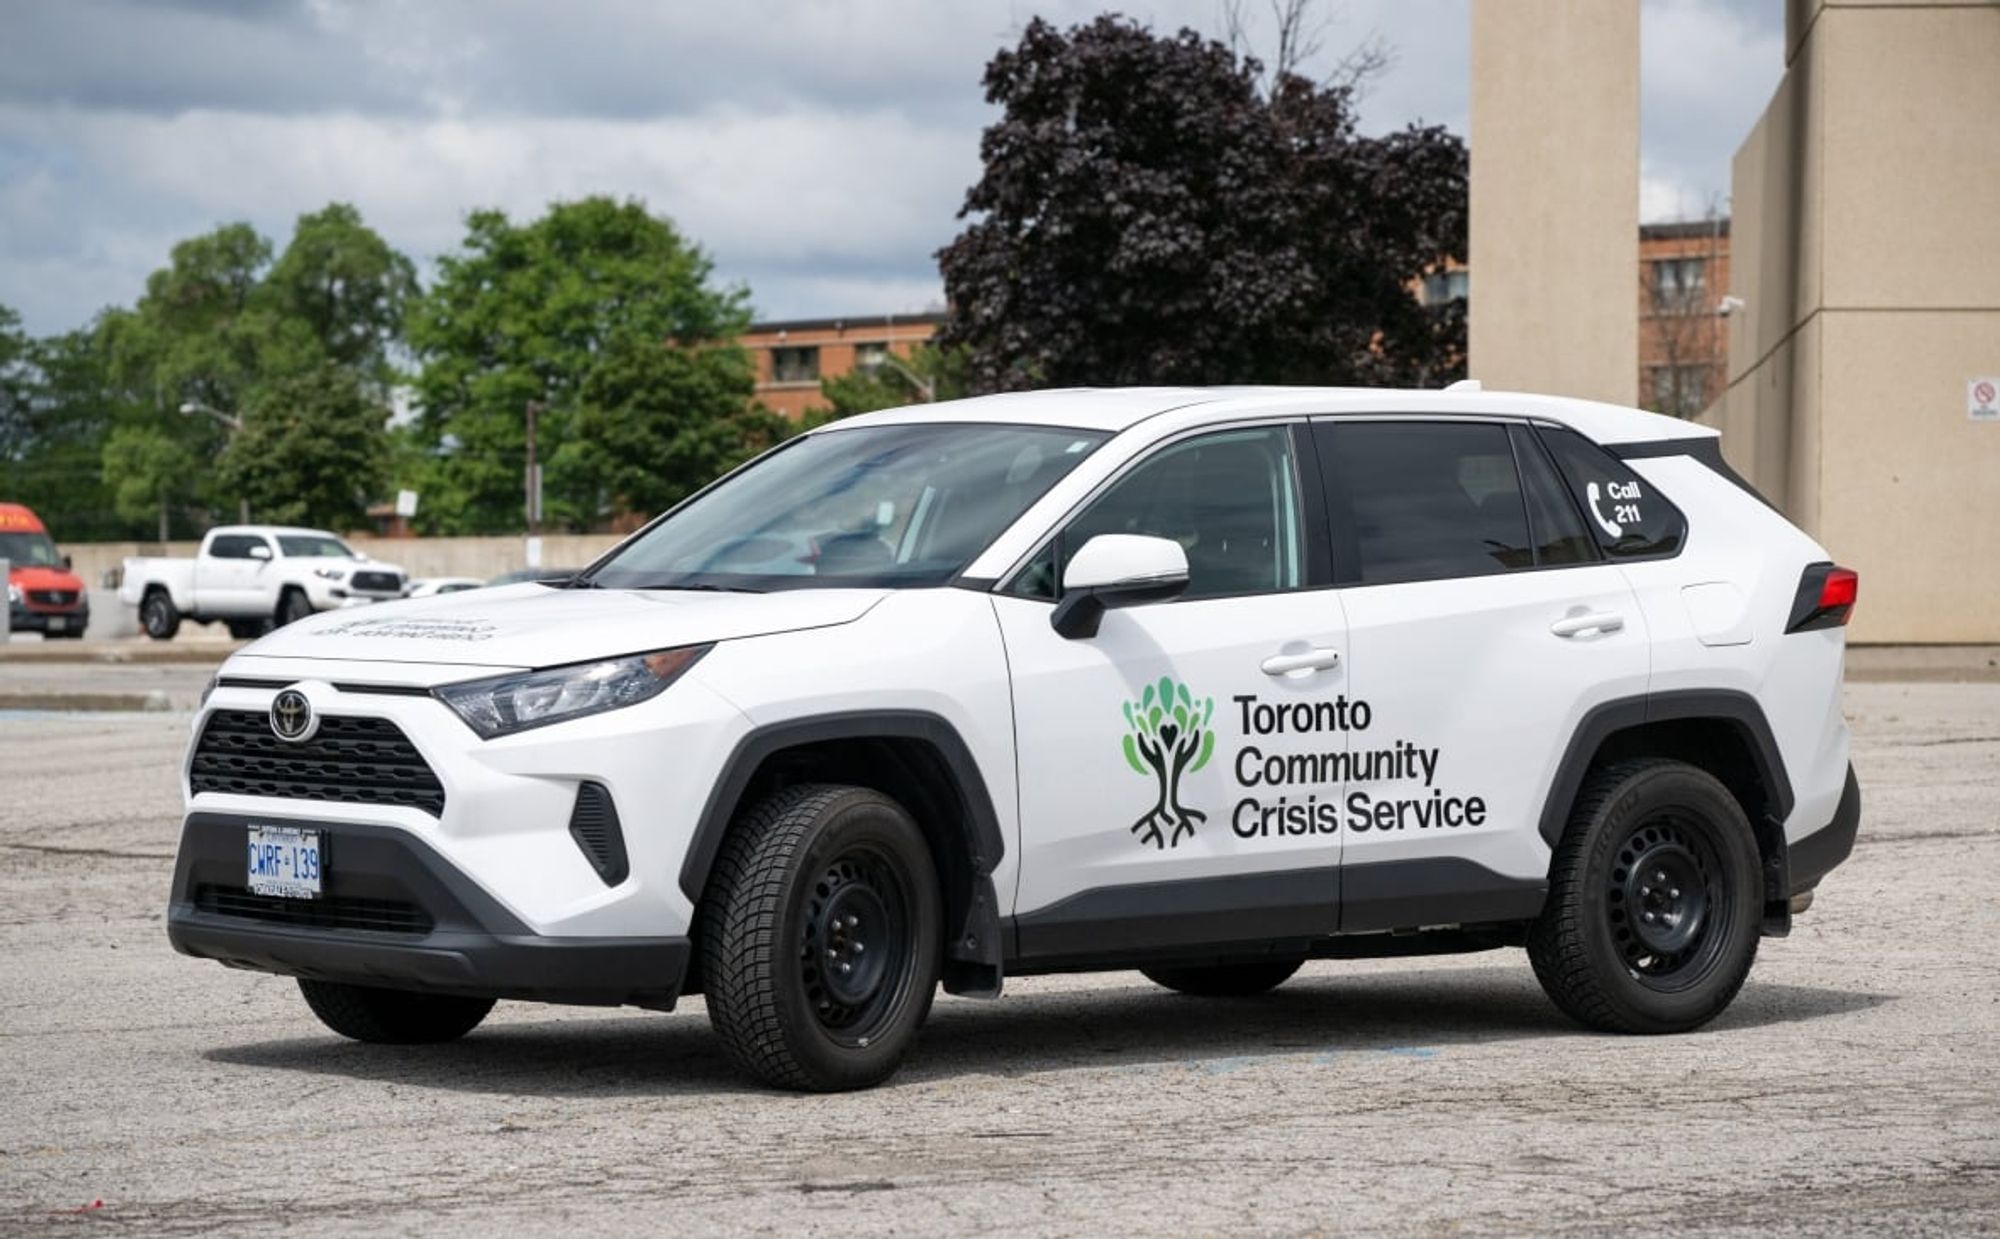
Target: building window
{"points": [[871, 356], [1680, 391], [795, 365], [1443, 286], [1677, 277]]}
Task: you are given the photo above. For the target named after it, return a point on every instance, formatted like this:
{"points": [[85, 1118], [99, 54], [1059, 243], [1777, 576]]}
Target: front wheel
{"points": [[159, 616], [392, 1016], [293, 606], [1225, 980], [821, 933], [1655, 901]]}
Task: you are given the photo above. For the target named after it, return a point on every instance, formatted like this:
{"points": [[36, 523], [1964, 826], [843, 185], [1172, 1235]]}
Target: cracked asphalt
{"points": [[1854, 1086]]}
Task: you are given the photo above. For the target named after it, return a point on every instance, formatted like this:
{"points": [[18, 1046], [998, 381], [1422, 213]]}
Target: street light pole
{"points": [[928, 390], [235, 425], [534, 478]]}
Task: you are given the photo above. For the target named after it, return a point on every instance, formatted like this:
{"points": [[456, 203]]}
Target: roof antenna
{"points": [[1464, 385]]}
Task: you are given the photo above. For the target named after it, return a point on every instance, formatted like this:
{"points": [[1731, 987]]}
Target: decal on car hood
{"points": [[538, 626]]}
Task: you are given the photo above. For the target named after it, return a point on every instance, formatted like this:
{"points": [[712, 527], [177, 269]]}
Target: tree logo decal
{"points": [[1169, 737]]}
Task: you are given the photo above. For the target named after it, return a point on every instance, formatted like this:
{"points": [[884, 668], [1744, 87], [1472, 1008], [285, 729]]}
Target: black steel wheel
{"points": [[1655, 895], [159, 616], [821, 937], [1238, 980]]}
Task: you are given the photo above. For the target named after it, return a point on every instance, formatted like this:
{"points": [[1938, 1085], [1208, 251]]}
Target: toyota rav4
{"points": [[1205, 683]]}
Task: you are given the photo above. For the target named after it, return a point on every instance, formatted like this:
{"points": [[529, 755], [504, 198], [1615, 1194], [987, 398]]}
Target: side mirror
{"points": [[67, 565], [260, 552], [1117, 570]]}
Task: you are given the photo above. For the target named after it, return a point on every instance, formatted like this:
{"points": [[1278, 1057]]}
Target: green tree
{"points": [[16, 434], [654, 422], [341, 285], [1170, 737], [149, 473], [1156, 209], [67, 405], [530, 313], [312, 450], [934, 374]]}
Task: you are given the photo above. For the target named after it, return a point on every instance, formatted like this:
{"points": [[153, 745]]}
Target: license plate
{"points": [[285, 860], [58, 623]]}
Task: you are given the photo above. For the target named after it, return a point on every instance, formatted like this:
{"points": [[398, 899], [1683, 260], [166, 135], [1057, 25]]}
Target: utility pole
{"points": [[534, 478]]}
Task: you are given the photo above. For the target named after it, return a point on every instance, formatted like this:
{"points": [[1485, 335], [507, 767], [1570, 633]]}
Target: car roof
{"points": [[274, 529], [1117, 409]]}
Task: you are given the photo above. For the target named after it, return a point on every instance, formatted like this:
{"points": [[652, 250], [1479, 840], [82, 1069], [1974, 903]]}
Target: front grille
{"points": [[389, 916], [349, 761], [52, 597], [377, 582]]}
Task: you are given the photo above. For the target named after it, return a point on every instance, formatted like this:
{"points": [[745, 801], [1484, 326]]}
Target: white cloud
{"points": [[1707, 70]]}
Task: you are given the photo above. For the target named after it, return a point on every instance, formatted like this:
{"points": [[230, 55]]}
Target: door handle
{"points": [[1311, 660], [1587, 621]]}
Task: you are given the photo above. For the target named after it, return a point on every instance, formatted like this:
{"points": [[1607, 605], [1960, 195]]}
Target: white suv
{"points": [[1204, 683]]}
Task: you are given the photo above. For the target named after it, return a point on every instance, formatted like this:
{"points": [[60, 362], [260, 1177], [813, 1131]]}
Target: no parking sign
{"points": [[1982, 399]]}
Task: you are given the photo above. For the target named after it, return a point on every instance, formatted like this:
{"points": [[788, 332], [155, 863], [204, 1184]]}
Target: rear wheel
{"points": [[820, 938], [393, 1016], [1655, 901], [159, 616], [1225, 980], [293, 606]]}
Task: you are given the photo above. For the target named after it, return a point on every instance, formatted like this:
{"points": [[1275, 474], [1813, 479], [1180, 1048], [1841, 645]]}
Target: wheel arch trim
{"points": [[1607, 719]]}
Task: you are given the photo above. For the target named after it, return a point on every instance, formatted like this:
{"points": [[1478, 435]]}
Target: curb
{"points": [[152, 702]]}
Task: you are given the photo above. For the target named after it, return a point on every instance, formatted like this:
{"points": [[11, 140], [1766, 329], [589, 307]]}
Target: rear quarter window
{"points": [[1627, 515]]}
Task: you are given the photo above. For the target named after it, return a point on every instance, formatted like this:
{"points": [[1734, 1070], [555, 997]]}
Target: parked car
{"points": [[43, 595], [1203, 683], [252, 577], [432, 586]]}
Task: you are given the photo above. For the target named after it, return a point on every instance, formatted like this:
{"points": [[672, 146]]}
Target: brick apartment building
{"points": [[1683, 343], [793, 356]]}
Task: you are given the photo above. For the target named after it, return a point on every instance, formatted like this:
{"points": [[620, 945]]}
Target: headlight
{"points": [[329, 574], [13, 593], [506, 704]]}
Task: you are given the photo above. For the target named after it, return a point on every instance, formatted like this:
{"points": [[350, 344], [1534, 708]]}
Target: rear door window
{"points": [[1423, 501], [233, 545], [1629, 518], [1554, 520]]}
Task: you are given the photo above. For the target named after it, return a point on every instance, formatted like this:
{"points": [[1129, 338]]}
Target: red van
{"points": [[43, 595]]}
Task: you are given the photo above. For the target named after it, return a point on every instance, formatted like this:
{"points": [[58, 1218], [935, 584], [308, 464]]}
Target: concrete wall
{"points": [[1555, 196], [1867, 252]]}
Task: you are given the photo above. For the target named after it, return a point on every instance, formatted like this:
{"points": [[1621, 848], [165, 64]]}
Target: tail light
{"points": [[1825, 598]]}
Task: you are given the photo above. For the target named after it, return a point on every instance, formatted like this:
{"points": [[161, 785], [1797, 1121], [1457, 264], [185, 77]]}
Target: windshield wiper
{"points": [[704, 587]]}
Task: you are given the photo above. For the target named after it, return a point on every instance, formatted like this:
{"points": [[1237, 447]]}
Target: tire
{"points": [[1226, 980], [293, 606], [159, 616], [248, 630], [393, 1016], [814, 874], [1655, 901]]}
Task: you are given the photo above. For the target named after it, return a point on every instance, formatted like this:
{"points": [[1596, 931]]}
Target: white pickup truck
{"points": [[253, 576]]}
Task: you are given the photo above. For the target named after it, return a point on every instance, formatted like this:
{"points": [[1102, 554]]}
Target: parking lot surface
{"points": [[1854, 1085]]}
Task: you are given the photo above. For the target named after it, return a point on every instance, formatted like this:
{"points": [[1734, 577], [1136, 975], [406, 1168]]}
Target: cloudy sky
{"points": [[818, 148]]}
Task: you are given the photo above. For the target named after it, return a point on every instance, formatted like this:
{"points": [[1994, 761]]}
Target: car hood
{"points": [[533, 625], [36, 577]]}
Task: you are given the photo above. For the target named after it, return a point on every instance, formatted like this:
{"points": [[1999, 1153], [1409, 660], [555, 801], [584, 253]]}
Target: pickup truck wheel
{"points": [[1655, 901], [159, 616], [392, 1016], [293, 606], [821, 933], [1225, 980]]}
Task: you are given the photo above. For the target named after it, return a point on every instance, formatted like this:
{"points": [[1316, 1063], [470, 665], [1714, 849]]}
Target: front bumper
{"points": [[453, 937], [21, 618]]}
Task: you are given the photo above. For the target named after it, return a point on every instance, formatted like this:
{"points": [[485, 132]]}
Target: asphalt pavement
{"points": [[1852, 1087]]}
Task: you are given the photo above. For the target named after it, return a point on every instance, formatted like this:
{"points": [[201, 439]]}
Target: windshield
{"points": [[28, 548], [313, 546], [899, 506]]}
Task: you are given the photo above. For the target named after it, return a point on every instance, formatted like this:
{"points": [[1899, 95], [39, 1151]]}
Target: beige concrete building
{"points": [[1555, 196], [1867, 259]]}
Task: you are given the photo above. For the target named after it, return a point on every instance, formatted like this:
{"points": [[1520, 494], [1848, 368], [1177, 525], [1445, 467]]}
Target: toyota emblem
{"points": [[292, 717]]}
